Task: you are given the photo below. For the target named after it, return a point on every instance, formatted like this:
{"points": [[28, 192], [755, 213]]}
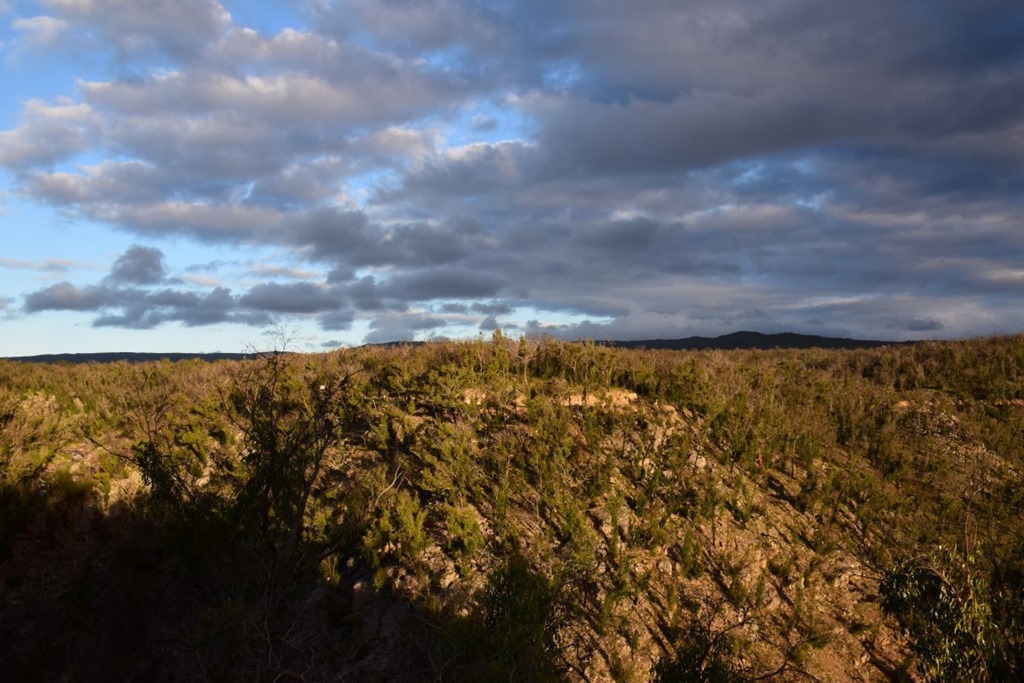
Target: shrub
{"points": [[944, 607]]}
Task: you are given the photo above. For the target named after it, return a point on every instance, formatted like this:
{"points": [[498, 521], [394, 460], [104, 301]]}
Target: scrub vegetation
{"points": [[525, 510]]}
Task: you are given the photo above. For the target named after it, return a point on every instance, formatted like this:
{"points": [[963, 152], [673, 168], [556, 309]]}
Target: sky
{"points": [[184, 175]]}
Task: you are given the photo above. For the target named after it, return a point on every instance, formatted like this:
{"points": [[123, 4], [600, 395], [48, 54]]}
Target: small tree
{"points": [[290, 420]]}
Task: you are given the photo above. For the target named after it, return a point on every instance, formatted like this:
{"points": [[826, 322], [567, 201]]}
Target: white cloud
{"points": [[200, 281], [49, 133], [1006, 276], [48, 265], [176, 28], [267, 270], [41, 32]]}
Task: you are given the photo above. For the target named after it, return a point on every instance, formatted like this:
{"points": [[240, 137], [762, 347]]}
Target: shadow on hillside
{"points": [[101, 596]]}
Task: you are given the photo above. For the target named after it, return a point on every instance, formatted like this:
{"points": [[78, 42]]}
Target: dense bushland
{"points": [[517, 510]]}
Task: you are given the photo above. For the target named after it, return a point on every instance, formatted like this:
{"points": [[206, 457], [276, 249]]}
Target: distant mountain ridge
{"points": [[726, 342], [753, 340], [130, 356]]}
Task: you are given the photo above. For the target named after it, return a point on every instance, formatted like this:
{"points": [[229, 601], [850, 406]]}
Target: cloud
{"points": [[475, 169], [264, 270], [402, 327], [351, 238], [133, 295], [65, 296], [199, 281], [489, 324], [413, 28], [341, 319], [290, 100], [175, 28], [924, 325], [300, 297], [139, 266], [491, 308], [137, 308], [46, 266], [445, 283], [40, 32], [647, 169], [49, 133]]}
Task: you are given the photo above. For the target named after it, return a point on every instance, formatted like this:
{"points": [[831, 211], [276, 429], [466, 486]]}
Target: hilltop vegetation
{"points": [[526, 510]]}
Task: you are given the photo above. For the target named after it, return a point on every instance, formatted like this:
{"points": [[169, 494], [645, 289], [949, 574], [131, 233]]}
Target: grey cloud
{"points": [[483, 124], [39, 145], [515, 46], [142, 310], [345, 236], [348, 237], [230, 222], [924, 325], [421, 244], [337, 320], [293, 101], [947, 35], [491, 308], [108, 183], [366, 295], [342, 273], [298, 185], [139, 266], [300, 297], [445, 283], [707, 129], [662, 45], [396, 293], [729, 82], [203, 148], [50, 133], [412, 28], [618, 236], [392, 327], [487, 309], [177, 28], [139, 307], [65, 296], [479, 168]]}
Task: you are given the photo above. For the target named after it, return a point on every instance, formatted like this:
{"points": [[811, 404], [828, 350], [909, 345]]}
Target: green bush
{"points": [[944, 607]]}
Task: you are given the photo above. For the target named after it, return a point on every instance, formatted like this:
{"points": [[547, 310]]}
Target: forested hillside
{"points": [[527, 510]]}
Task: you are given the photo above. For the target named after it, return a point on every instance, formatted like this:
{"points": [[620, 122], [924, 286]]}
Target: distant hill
{"points": [[753, 340], [131, 357], [736, 340]]}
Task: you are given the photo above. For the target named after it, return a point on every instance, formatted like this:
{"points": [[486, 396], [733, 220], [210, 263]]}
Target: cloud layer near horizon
{"points": [[655, 168]]}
